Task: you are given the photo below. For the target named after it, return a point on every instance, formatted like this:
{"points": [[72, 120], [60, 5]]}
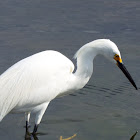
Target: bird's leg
{"points": [[41, 110], [35, 129], [27, 133], [27, 117], [26, 126]]}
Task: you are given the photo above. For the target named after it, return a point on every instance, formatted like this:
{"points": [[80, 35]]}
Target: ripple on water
{"points": [[106, 92], [60, 121]]}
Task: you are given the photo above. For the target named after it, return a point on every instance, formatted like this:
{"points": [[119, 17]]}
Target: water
{"points": [[108, 107]]}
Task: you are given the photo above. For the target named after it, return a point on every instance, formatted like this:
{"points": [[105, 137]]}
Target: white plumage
{"points": [[27, 83], [30, 84]]}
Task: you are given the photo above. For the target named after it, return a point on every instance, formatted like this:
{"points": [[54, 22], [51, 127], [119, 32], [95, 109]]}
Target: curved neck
{"points": [[85, 65], [86, 54]]}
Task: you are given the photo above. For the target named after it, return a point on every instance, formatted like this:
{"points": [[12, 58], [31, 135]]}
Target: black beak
{"points": [[124, 70]]}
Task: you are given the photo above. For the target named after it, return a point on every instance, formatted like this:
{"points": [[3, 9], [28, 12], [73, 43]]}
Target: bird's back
{"points": [[33, 80]]}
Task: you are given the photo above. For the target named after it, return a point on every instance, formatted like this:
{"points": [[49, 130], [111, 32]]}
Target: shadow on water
{"points": [[29, 136]]}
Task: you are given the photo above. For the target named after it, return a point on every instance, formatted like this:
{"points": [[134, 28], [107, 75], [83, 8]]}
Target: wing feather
{"points": [[19, 83]]}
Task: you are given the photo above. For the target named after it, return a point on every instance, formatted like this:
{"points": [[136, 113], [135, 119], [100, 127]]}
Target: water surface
{"points": [[108, 107]]}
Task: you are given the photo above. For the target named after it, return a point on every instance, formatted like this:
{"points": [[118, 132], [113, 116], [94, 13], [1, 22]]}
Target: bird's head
{"points": [[112, 52], [104, 47]]}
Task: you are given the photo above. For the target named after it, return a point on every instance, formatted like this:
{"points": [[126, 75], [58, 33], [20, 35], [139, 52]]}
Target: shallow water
{"points": [[108, 107]]}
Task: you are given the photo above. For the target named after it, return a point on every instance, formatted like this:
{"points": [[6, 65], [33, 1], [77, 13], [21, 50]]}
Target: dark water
{"points": [[108, 108]]}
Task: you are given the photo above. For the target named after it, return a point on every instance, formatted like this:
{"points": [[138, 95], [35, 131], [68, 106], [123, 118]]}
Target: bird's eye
{"points": [[116, 56]]}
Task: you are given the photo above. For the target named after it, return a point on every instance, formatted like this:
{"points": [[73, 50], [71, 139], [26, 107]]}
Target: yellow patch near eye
{"points": [[117, 58]]}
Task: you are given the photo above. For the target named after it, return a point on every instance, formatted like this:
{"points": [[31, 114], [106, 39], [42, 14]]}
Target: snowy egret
{"points": [[30, 84]]}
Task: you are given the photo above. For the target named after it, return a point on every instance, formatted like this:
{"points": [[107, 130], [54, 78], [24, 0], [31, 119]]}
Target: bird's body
{"points": [[30, 84]]}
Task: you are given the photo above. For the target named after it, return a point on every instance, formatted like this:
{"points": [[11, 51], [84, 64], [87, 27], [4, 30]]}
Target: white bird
{"points": [[30, 84]]}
